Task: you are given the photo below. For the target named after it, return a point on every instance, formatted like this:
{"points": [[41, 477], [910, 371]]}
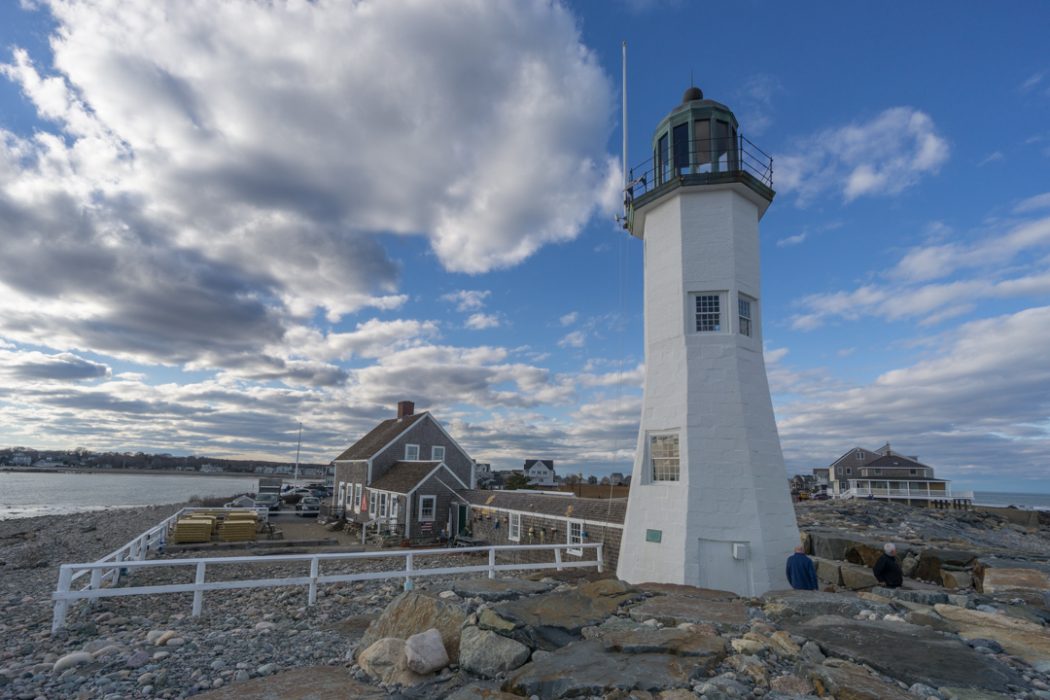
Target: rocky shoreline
{"points": [[549, 636]]}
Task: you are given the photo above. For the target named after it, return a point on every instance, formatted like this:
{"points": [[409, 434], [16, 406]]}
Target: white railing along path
{"points": [[64, 595]]}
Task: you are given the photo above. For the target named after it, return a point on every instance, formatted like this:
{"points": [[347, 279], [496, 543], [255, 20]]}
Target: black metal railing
{"points": [[701, 160]]}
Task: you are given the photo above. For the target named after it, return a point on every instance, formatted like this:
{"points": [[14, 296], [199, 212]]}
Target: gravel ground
{"points": [[241, 634]]}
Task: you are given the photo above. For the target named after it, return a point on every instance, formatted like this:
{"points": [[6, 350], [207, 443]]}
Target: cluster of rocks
{"points": [[540, 636]]}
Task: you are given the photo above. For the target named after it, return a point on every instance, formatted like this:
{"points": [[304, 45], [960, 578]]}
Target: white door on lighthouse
{"points": [[719, 569]]}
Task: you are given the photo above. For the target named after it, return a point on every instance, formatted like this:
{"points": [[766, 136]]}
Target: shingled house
{"points": [[885, 474], [402, 477]]}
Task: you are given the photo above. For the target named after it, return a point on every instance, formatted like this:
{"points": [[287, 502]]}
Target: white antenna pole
{"points": [[297, 447], [624, 125]]}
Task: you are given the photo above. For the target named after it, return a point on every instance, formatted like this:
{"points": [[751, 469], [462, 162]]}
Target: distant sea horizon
{"points": [[30, 494]]}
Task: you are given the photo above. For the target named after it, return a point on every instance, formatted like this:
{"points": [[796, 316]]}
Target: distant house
{"points": [[21, 459], [822, 476], [403, 476], [885, 474], [539, 472]]}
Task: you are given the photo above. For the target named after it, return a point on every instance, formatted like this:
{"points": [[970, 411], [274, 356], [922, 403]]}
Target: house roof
{"points": [[549, 463], [402, 477], [378, 438], [611, 510], [894, 460]]}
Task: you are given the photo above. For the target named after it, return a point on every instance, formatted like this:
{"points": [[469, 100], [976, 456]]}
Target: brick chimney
{"points": [[405, 408]]}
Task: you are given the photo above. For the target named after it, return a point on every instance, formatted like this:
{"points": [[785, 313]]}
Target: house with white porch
{"points": [[888, 475]]}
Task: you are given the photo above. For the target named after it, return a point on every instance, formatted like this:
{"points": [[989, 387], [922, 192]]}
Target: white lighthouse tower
{"points": [[709, 503]]}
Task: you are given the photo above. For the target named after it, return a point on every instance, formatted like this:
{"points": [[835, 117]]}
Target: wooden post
{"points": [[314, 565], [65, 576], [96, 583], [492, 562], [198, 595], [557, 559], [601, 557]]}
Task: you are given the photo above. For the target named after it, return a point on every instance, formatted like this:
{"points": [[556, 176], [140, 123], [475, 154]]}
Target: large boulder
{"points": [[951, 578], [907, 652], [553, 620], [848, 681], [1022, 638], [828, 571], [1006, 580], [425, 652], [705, 649], [488, 654], [304, 683], [411, 613], [857, 578], [805, 604], [494, 589], [931, 560], [385, 661], [912, 595], [692, 605], [586, 669]]}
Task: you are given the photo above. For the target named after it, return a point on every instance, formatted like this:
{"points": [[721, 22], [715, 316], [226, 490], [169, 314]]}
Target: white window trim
{"points": [[724, 318], [568, 538], [357, 497], [433, 509], [751, 317], [433, 453], [514, 527], [411, 459], [383, 503], [651, 471], [373, 503]]}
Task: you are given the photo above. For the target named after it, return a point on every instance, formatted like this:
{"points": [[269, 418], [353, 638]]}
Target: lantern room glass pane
{"points": [[680, 136], [702, 144], [721, 143], [663, 165]]}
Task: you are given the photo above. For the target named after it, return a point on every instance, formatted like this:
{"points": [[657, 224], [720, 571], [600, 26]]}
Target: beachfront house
{"points": [[403, 477], [887, 475], [539, 472]]}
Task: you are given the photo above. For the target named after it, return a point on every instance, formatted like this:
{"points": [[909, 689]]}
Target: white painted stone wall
{"points": [[712, 389]]}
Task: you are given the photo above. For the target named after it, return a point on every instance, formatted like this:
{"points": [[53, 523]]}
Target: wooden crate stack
{"points": [[193, 529], [238, 527]]}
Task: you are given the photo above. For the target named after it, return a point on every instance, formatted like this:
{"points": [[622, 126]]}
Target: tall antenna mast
{"points": [[297, 447], [624, 126]]}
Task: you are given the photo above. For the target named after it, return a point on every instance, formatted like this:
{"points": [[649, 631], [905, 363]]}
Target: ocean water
{"points": [[1036, 501], [28, 494]]}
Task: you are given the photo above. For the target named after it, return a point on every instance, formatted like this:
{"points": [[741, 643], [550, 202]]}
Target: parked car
{"points": [[294, 495], [270, 500], [308, 506]]}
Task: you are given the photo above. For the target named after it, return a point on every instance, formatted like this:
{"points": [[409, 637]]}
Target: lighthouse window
{"points": [[662, 161], [708, 313], [681, 148], [702, 139], [663, 454], [744, 312]]}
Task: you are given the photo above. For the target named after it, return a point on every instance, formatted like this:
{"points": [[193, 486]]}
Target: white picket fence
{"points": [[64, 595], [137, 549]]}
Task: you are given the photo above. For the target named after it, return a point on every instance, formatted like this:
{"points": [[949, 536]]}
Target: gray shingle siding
{"points": [[426, 434]]}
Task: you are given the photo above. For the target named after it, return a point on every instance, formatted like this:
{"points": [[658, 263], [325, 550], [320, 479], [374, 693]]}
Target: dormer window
{"points": [[437, 453], [411, 453], [858, 455]]}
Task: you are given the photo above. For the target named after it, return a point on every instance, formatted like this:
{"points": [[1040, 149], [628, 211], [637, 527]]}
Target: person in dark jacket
{"points": [[887, 569], [801, 573]]}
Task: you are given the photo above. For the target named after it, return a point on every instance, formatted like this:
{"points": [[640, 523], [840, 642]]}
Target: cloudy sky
{"points": [[220, 219]]}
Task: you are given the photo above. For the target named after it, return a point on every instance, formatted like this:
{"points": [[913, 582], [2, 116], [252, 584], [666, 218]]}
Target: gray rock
{"points": [[922, 597], [908, 652], [425, 652], [70, 660], [811, 652], [411, 613], [138, 659], [494, 589], [788, 605], [488, 654], [692, 606], [585, 668]]}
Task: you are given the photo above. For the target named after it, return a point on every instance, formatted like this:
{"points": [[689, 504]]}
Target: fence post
{"points": [[198, 595], [314, 565], [492, 562], [557, 558], [601, 557], [65, 576], [96, 583], [408, 571]]}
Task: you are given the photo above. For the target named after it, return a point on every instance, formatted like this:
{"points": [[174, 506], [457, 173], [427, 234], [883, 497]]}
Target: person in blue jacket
{"points": [[800, 571]]}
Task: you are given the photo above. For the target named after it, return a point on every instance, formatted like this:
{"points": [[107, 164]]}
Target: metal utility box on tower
{"points": [[709, 503]]}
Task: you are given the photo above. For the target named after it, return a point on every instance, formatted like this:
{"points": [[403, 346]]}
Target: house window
{"points": [[341, 498], [382, 505], [427, 508], [393, 506], [514, 527], [914, 472], [708, 313], [372, 495], [663, 454], [849, 470], [357, 497], [858, 455], [437, 453], [411, 453], [744, 312], [575, 537]]}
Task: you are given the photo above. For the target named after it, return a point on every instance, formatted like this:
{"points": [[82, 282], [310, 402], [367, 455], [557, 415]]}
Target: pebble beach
{"points": [[538, 636]]}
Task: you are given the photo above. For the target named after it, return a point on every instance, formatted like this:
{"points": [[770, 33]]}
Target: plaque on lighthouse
{"points": [[709, 503]]}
